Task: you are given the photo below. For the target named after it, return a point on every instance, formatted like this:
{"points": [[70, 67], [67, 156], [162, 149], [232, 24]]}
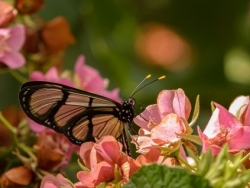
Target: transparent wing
{"points": [[80, 115]]}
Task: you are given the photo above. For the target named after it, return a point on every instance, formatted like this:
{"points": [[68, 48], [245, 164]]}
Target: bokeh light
{"points": [[158, 44], [237, 65]]}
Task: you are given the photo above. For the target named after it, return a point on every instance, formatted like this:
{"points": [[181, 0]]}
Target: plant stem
{"points": [[7, 124], [185, 163], [13, 131], [27, 150], [18, 76]]}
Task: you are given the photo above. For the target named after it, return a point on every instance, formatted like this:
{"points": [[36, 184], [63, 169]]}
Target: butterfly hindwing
{"points": [[80, 115], [99, 125], [124, 140]]}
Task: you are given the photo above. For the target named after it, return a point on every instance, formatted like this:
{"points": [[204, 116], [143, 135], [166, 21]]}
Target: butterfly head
{"points": [[127, 113], [131, 101]]}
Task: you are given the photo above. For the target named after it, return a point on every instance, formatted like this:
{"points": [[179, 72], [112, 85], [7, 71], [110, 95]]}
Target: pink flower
{"points": [[90, 80], [105, 161], [11, 41], [168, 101], [155, 156], [240, 108], [50, 181], [52, 76], [37, 128], [228, 128], [7, 14], [53, 151], [163, 123]]}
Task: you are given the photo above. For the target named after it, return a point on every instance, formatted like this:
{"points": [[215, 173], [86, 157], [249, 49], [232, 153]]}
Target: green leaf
{"points": [[225, 170], [212, 106], [193, 138], [196, 111], [204, 164], [162, 176]]}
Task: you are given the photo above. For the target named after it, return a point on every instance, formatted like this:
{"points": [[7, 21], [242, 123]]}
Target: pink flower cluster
{"points": [[162, 124], [89, 79], [163, 127], [165, 124], [103, 163]]}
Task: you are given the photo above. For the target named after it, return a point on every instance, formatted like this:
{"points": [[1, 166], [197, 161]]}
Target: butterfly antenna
{"points": [[136, 90], [140, 114]]}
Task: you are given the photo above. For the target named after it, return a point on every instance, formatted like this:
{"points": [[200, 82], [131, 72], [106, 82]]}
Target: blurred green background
{"points": [[201, 46]]}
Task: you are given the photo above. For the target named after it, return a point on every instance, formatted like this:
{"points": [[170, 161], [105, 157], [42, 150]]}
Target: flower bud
{"points": [[7, 14], [29, 6], [16, 177]]}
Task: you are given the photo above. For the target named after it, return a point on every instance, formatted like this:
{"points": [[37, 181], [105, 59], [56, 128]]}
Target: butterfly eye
{"points": [[131, 101]]}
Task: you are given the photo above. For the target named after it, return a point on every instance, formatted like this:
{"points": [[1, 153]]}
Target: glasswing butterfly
{"points": [[80, 115]]}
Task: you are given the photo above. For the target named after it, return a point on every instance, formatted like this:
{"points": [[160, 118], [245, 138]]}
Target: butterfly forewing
{"points": [[80, 115]]}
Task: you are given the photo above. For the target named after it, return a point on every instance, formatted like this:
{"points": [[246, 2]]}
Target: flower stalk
{"points": [[12, 129], [18, 76]]}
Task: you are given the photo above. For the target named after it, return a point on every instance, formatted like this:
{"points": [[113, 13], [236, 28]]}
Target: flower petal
{"points": [[7, 14], [79, 185], [52, 74], [37, 76], [151, 156], [166, 131], [174, 101], [37, 128], [13, 59], [85, 153], [114, 94], [17, 37], [128, 167], [50, 181], [240, 140], [221, 120], [213, 126], [239, 104], [144, 143], [206, 144], [181, 104], [103, 172], [90, 80], [89, 77], [246, 117], [227, 120], [20, 175], [150, 114], [109, 149], [240, 107], [165, 101]]}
